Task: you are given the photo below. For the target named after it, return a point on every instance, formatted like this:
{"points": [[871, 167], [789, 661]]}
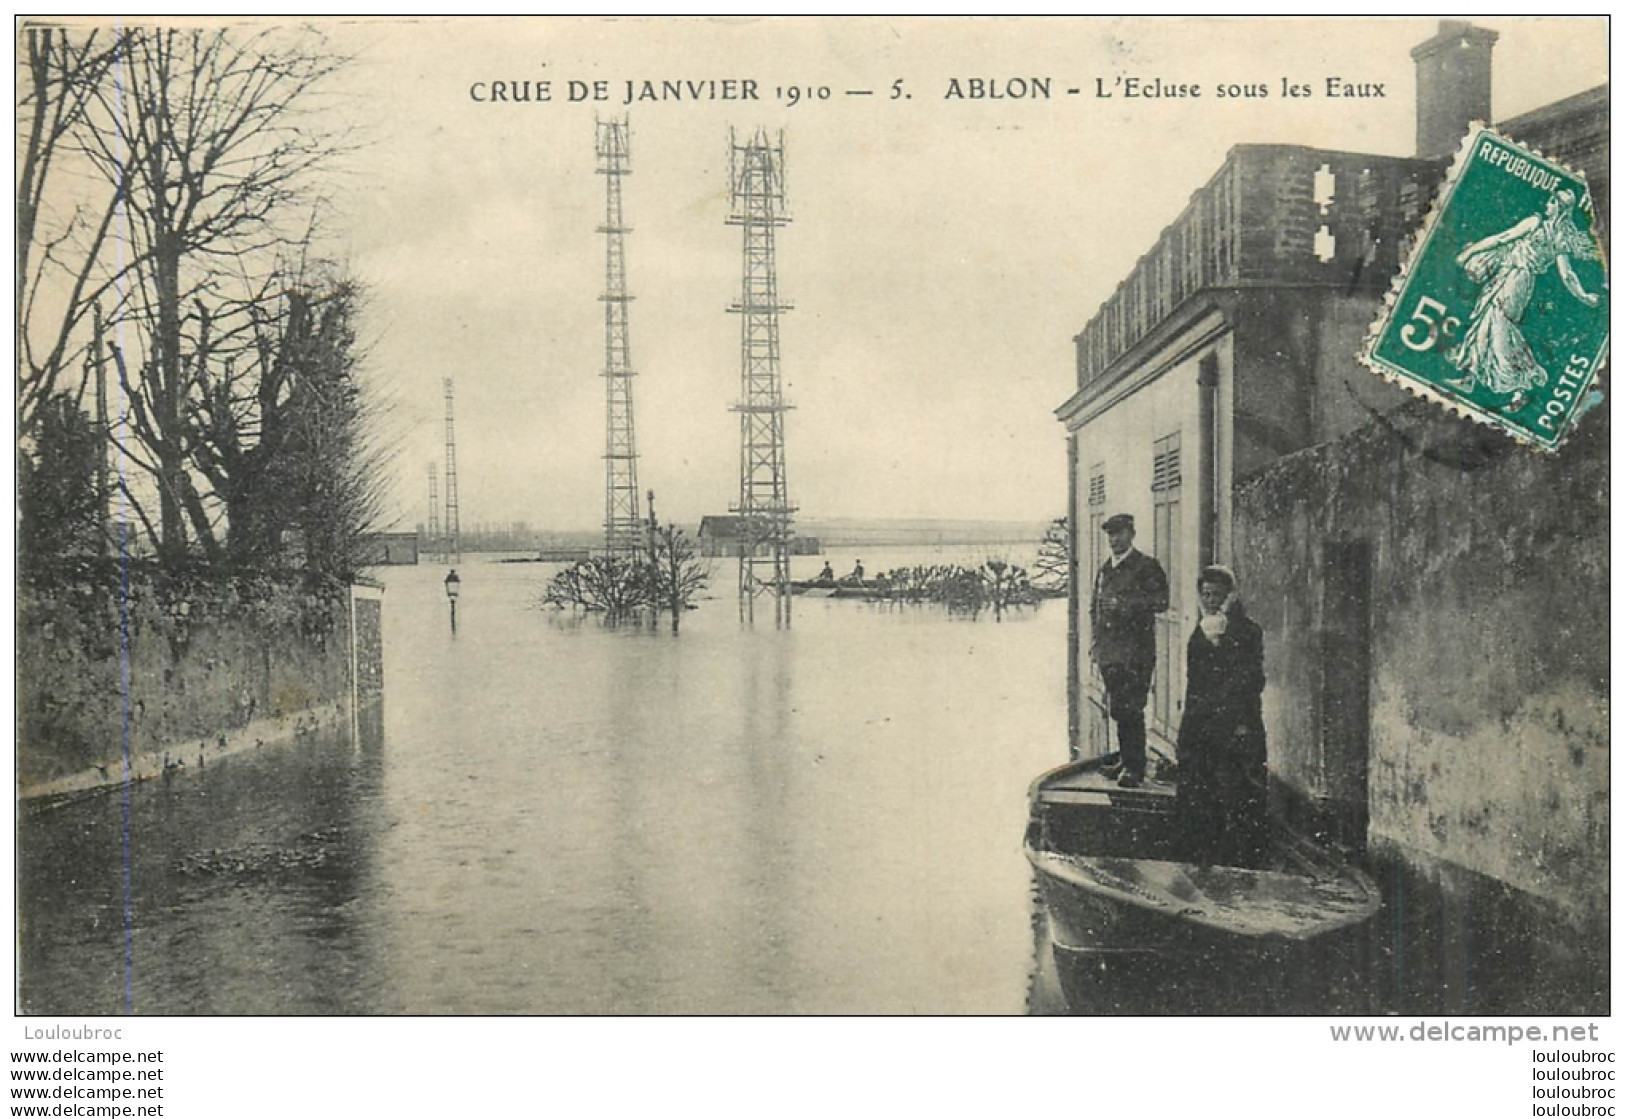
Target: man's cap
{"points": [[1117, 521]]}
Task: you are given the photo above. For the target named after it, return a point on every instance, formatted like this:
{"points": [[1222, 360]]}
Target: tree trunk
{"points": [[166, 401]]}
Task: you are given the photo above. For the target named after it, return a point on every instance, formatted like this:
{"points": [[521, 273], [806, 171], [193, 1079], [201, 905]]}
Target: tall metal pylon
{"points": [[756, 184], [623, 527], [454, 544], [432, 544]]}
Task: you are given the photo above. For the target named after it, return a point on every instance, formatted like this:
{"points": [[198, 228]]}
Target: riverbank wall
{"points": [[126, 672]]}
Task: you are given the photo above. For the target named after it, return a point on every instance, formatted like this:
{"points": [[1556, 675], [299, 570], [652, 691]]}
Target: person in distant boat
{"points": [[1130, 590], [1222, 793], [857, 573], [828, 574]]}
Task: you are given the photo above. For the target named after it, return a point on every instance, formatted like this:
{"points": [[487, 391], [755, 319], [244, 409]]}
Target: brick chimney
{"points": [[1452, 86]]}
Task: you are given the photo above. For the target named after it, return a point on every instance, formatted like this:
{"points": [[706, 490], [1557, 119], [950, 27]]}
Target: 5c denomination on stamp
{"points": [[1501, 313]]}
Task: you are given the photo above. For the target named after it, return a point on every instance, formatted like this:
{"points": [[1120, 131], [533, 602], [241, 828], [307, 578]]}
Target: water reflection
{"points": [[556, 817], [244, 879]]}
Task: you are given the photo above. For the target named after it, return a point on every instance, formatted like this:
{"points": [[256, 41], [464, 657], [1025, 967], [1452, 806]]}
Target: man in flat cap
{"points": [[1130, 589]]}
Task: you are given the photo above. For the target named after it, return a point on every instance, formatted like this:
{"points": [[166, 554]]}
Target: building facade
{"points": [[1228, 346]]}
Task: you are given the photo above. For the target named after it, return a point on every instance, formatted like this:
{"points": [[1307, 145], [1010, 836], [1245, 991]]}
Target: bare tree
{"points": [[675, 575], [1054, 557], [284, 434], [203, 138], [1005, 585], [332, 452], [62, 224], [616, 586]]}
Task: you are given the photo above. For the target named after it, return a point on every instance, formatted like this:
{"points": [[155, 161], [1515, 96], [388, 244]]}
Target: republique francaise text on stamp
{"points": [[1501, 312]]}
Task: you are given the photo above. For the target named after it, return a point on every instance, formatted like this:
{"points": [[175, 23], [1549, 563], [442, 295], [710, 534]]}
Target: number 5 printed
{"points": [[1429, 313]]}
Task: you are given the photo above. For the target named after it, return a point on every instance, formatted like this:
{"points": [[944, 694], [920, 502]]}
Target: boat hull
{"points": [[1137, 929]]}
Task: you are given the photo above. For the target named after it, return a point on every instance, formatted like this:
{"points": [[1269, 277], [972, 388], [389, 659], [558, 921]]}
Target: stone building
{"points": [[1226, 347], [1432, 596], [724, 536]]}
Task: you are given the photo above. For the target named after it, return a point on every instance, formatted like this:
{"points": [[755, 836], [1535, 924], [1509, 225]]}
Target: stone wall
{"points": [[1435, 604], [107, 658]]}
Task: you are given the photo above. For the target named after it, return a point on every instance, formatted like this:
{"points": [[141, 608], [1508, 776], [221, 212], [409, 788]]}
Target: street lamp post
{"points": [[453, 585]]}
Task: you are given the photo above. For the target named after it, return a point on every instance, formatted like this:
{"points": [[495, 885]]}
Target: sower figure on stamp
{"points": [[1494, 351], [1130, 590]]}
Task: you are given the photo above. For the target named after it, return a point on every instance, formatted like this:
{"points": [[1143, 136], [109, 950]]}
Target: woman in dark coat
{"points": [[1222, 790]]}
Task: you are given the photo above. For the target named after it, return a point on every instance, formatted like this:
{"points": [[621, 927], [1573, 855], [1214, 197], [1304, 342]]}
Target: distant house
{"points": [[723, 536], [389, 548], [1437, 660], [719, 536]]}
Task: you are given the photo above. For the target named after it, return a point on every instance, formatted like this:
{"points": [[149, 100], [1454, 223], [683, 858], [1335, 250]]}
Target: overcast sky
{"points": [[942, 254]]}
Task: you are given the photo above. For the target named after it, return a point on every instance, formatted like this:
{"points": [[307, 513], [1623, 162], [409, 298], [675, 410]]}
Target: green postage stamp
{"points": [[1501, 313]]}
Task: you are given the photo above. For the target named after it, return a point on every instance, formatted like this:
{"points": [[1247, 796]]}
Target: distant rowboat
{"points": [[832, 588]]}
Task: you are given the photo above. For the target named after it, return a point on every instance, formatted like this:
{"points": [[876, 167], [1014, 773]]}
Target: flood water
{"points": [[550, 816]]}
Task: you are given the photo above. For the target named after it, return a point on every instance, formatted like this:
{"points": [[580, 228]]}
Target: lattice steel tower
{"points": [[454, 544], [756, 182], [432, 544], [623, 527]]}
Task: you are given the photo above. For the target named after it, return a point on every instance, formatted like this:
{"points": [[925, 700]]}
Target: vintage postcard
{"points": [[532, 518]]}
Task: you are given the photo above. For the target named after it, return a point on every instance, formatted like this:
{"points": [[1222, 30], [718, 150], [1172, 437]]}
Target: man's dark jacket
{"points": [[1127, 597]]}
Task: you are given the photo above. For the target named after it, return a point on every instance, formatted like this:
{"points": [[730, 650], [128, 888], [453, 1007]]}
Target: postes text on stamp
{"points": [[1501, 313]]}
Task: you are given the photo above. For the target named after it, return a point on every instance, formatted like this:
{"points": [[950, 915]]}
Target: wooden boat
{"points": [[1138, 925], [828, 588]]}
